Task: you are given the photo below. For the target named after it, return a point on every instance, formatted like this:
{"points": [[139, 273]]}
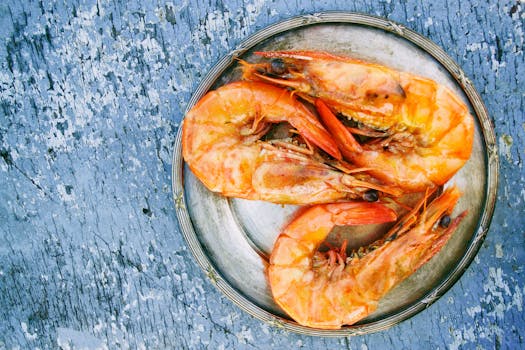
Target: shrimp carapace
{"points": [[224, 143], [330, 289], [417, 133]]}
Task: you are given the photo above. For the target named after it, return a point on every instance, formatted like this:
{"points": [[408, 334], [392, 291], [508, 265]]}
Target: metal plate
{"points": [[230, 238]]}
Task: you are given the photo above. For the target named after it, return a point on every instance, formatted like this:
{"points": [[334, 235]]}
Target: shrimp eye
{"points": [[371, 196], [277, 66], [444, 221]]}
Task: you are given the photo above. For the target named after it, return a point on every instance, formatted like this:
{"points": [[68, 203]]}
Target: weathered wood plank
{"points": [[91, 96]]}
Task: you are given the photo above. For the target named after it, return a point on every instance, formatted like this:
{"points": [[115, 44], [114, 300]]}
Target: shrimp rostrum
{"points": [[413, 132], [226, 143], [328, 289]]}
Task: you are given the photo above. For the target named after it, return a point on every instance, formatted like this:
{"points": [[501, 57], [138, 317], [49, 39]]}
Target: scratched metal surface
{"points": [[91, 97]]}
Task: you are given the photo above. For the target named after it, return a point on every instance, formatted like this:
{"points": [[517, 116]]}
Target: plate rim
{"points": [[488, 139]]}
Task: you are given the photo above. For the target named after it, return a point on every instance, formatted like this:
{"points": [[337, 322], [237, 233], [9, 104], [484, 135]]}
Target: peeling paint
{"points": [[92, 95], [505, 144], [27, 334], [428, 22], [499, 251], [72, 339]]}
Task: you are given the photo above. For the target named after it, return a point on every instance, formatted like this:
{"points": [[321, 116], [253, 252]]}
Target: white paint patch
{"points": [[93, 141], [151, 295], [473, 311], [476, 47], [97, 328], [499, 251], [505, 143], [516, 14], [428, 22], [154, 98], [136, 164], [496, 65], [27, 334], [497, 290], [68, 338], [265, 328], [152, 49], [58, 138], [245, 335], [498, 300], [517, 298], [216, 22], [462, 337], [222, 26], [254, 10], [64, 195]]}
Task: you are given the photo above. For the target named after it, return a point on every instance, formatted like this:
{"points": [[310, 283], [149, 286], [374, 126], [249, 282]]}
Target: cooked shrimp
{"points": [[328, 290], [222, 144], [418, 132]]}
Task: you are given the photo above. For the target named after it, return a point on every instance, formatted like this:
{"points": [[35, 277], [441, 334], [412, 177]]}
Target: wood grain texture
{"points": [[91, 96]]}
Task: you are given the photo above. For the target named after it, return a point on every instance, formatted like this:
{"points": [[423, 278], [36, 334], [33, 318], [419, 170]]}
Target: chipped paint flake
{"points": [[68, 338], [27, 334], [505, 144], [517, 298], [473, 311], [66, 193], [92, 95], [245, 335], [428, 22], [499, 251]]}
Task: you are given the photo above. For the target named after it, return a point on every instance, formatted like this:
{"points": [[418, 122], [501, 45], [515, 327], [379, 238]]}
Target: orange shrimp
{"points": [[418, 132], [328, 290], [222, 144]]}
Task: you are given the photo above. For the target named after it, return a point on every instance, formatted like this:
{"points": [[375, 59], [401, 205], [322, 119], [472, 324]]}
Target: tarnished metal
{"points": [[231, 238]]}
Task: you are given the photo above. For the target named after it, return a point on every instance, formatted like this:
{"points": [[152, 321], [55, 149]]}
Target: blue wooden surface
{"points": [[91, 96]]}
